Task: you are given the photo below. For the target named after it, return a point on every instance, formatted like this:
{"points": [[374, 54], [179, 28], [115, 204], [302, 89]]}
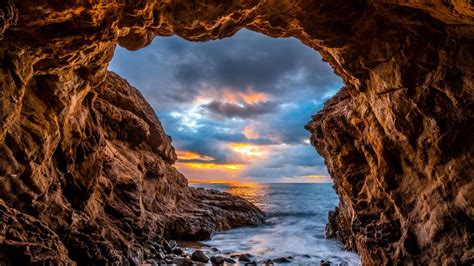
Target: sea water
{"points": [[296, 216]]}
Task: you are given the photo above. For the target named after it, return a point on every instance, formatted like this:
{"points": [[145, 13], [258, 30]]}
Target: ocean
{"points": [[296, 216]]}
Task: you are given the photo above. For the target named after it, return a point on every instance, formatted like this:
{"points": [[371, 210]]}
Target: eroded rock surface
{"points": [[86, 166]]}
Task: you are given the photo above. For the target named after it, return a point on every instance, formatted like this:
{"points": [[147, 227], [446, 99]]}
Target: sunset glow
{"points": [[189, 155], [211, 166], [250, 96], [250, 132], [248, 149]]}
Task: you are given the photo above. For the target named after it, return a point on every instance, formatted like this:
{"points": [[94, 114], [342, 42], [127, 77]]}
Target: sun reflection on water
{"points": [[253, 192]]}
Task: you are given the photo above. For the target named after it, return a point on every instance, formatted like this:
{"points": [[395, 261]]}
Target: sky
{"points": [[235, 108]]}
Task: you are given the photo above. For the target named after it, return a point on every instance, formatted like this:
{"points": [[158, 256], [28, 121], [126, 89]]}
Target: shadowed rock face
{"points": [[86, 169]]}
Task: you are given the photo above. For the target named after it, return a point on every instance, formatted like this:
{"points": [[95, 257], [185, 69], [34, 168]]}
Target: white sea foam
{"points": [[296, 219]]}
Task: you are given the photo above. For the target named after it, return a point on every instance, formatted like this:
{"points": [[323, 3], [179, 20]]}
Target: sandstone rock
{"points": [[29, 239], [86, 164]]}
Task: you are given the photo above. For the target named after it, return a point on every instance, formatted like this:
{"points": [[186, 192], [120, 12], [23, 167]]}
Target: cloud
{"points": [[192, 156], [243, 110], [222, 101]]}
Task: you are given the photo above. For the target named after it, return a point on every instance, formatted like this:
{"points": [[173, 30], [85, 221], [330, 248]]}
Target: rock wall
{"points": [[86, 168]]}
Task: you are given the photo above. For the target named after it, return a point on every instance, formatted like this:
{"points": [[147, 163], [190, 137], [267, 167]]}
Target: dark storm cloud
{"points": [[174, 70], [203, 146], [251, 60], [245, 110], [240, 138]]}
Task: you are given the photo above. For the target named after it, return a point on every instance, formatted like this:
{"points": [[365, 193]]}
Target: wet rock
{"points": [[151, 262], [214, 249], [229, 260], [199, 256], [217, 260], [167, 247], [170, 256], [178, 251], [245, 257], [172, 244], [182, 261], [160, 256], [324, 263], [281, 260], [267, 262]]}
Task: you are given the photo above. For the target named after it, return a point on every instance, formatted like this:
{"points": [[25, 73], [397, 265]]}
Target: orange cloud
{"points": [[248, 150], [250, 96], [211, 166], [189, 155], [221, 181], [250, 133], [315, 176], [210, 171]]}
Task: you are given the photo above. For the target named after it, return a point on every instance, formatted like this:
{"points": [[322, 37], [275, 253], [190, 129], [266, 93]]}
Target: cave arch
{"points": [[396, 138]]}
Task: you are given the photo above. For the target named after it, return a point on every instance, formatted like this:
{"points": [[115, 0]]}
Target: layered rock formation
{"points": [[86, 170]]}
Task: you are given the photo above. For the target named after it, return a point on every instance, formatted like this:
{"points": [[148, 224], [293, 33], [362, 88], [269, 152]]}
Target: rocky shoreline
{"points": [[194, 253]]}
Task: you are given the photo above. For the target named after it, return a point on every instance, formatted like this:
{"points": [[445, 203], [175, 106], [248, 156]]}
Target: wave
{"points": [[292, 214]]}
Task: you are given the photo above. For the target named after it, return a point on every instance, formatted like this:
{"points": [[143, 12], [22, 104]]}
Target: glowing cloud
{"points": [[307, 179], [248, 150], [211, 166], [250, 96], [189, 155], [249, 132]]}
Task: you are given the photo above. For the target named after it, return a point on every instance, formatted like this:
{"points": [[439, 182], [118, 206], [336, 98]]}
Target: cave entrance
{"points": [[236, 109]]}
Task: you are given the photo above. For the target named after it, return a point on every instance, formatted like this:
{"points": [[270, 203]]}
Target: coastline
{"points": [[197, 253]]}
